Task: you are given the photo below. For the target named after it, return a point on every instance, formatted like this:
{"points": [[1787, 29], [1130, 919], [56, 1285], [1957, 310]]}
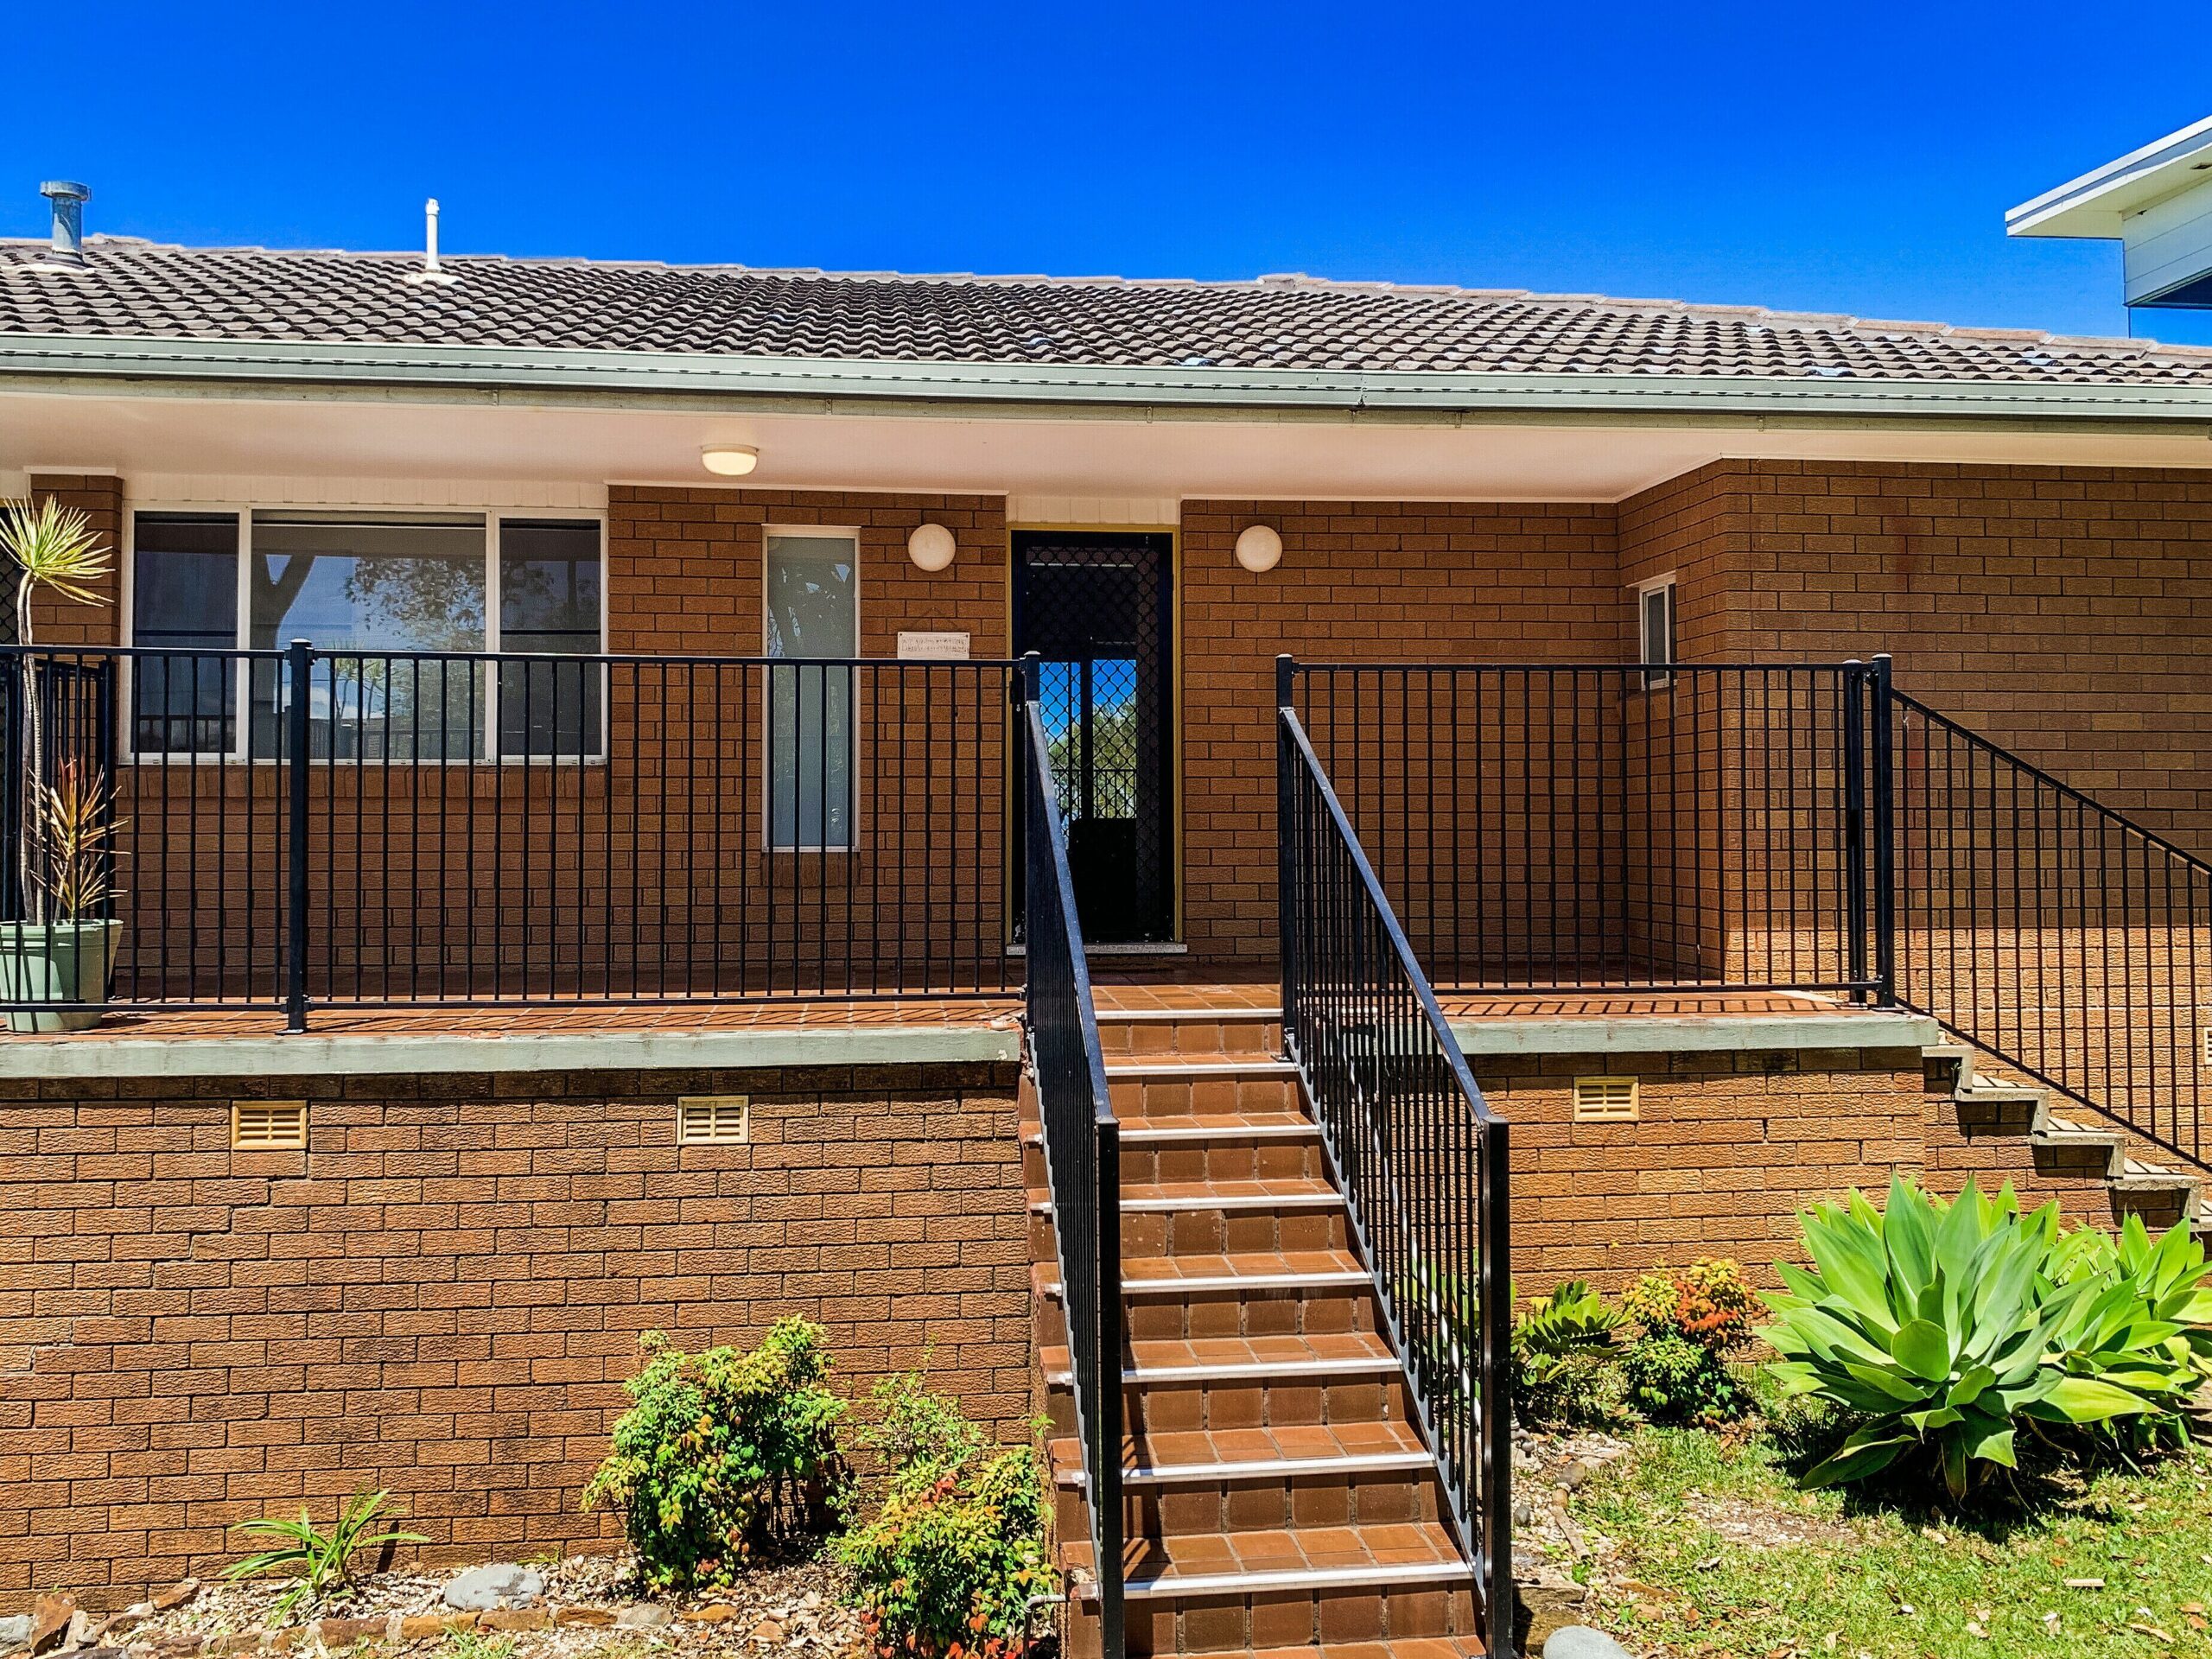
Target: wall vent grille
{"points": [[1606, 1100], [268, 1125], [713, 1120]]}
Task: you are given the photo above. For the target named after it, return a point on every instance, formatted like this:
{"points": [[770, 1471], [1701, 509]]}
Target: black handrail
{"points": [[1421, 1159], [306, 828], [1082, 1157], [2051, 932]]}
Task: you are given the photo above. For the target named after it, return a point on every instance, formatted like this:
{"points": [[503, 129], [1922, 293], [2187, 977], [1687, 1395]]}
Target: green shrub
{"points": [[1691, 1321], [1950, 1327], [723, 1454], [947, 1568], [1565, 1368]]}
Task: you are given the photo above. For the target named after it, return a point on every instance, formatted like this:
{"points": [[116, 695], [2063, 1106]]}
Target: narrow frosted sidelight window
{"points": [[813, 614], [1655, 626]]}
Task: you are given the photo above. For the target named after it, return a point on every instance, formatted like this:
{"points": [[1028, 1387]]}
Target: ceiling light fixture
{"points": [[729, 459]]}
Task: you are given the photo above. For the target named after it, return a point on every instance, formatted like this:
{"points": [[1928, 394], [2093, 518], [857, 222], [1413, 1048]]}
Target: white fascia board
{"points": [[2094, 204], [505, 375]]}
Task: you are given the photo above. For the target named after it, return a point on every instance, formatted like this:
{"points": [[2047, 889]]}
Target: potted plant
{"points": [[59, 947]]}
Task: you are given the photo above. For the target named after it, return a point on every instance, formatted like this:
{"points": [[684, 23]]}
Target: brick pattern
{"points": [[2061, 612], [1729, 1149], [1368, 581], [59, 621], [442, 1294]]}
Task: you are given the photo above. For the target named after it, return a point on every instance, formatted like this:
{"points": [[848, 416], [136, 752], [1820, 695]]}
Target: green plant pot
{"points": [[55, 961]]}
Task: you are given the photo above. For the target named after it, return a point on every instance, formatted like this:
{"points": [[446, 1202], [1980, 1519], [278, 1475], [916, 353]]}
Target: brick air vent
{"points": [[268, 1125], [1605, 1100], [713, 1120]]}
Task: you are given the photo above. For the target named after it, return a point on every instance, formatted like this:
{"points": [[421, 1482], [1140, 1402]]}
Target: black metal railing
{"points": [[2051, 932], [1082, 1142], [76, 729], [1420, 1157], [1684, 826], [305, 828]]}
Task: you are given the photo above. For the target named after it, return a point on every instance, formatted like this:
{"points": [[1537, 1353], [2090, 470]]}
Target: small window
{"points": [[813, 616], [713, 1120], [549, 606], [1655, 628], [268, 1125], [184, 600], [1605, 1100]]}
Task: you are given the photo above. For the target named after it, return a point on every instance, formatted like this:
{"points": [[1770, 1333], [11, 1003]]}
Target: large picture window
{"points": [[813, 612], [400, 608]]}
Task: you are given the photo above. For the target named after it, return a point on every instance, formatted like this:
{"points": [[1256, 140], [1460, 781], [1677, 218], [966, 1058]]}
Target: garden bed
{"points": [[582, 1605]]}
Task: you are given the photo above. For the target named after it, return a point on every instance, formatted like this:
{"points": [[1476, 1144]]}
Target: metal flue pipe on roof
{"points": [[68, 200]]}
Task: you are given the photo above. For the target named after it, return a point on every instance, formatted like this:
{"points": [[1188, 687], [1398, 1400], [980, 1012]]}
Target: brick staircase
{"points": [[1278, 1498], [2063, 1149]]}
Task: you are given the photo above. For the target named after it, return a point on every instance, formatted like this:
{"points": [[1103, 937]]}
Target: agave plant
{"points": [[1941, 1325]]}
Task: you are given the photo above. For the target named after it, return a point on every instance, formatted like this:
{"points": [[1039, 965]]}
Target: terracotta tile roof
{"points": [[138, 289]]}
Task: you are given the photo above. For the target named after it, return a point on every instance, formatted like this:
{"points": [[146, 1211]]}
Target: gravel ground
{"points": [[591, 1605]]}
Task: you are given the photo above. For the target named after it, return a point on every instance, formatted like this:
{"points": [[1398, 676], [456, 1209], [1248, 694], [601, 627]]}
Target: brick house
{"points": [[656, 798]]}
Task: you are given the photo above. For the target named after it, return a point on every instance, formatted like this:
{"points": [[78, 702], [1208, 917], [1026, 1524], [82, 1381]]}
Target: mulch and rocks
{"points": [[571, 1609]]}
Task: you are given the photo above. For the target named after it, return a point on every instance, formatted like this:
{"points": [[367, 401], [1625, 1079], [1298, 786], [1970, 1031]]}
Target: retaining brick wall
{"points": [[444, 1292]]}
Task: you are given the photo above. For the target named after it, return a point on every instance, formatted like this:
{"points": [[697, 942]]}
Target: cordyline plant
{"points": [[54, 548]]}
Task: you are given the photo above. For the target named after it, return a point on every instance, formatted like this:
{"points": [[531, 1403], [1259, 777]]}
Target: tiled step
{"points": [[1153, 1088], [1154, 1031], [1207, 1145], [1296, 1588], [1235, 1384], [1298, 1214]]}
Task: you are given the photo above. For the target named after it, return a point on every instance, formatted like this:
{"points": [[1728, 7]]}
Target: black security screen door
{"points": [[1096, 606]]}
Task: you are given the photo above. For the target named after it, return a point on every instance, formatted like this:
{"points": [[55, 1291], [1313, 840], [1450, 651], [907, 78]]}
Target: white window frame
{"points": [[1668, 585], [768, 841], [494, 518]]}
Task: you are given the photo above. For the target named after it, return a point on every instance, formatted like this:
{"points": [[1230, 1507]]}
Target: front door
{"points": [[1097, 606]]}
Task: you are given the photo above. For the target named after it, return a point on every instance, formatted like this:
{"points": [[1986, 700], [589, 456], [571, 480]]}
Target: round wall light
{"points": [[1259, 548], [930, 547], [729, 459]]}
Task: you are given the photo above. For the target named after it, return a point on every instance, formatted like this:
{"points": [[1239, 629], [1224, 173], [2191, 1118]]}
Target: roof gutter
{"points": [[518, 375]]}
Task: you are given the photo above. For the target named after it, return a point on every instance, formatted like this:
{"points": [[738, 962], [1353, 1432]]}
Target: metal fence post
{"points": [[1854, 826], [1884, 810], [1286, 842], [296, 668]]}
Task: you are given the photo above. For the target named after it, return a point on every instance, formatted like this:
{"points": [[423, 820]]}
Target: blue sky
{"points": [[1852, 159]]}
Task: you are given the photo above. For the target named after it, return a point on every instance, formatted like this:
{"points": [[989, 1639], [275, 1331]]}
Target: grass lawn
{"points": [[1699, 1547]]}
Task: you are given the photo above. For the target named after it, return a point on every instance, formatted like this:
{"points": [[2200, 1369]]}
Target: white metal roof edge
{"points": [[2091, 205], [29, 359]]}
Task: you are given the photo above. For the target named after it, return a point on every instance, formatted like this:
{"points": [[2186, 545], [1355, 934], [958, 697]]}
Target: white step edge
{"points": [[1147, 1132], [1174, 1071], [1257, 1371], [1327, 1198], [1348, 1279], [1238, 1014], [1142, 1586], [1373, 1463]]}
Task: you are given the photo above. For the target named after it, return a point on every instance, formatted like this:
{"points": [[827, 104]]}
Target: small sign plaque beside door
{"points": [[932, 647]]}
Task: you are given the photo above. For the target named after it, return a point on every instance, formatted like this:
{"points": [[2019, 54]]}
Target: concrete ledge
{"points": [[387, 1054], [1655, 1034]]}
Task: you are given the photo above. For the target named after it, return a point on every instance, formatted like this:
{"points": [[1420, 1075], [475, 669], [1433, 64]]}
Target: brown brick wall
{"points": [[2063, 611], [1359, 581], [1729, 1149], [59, 621], [443, 1294]]}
